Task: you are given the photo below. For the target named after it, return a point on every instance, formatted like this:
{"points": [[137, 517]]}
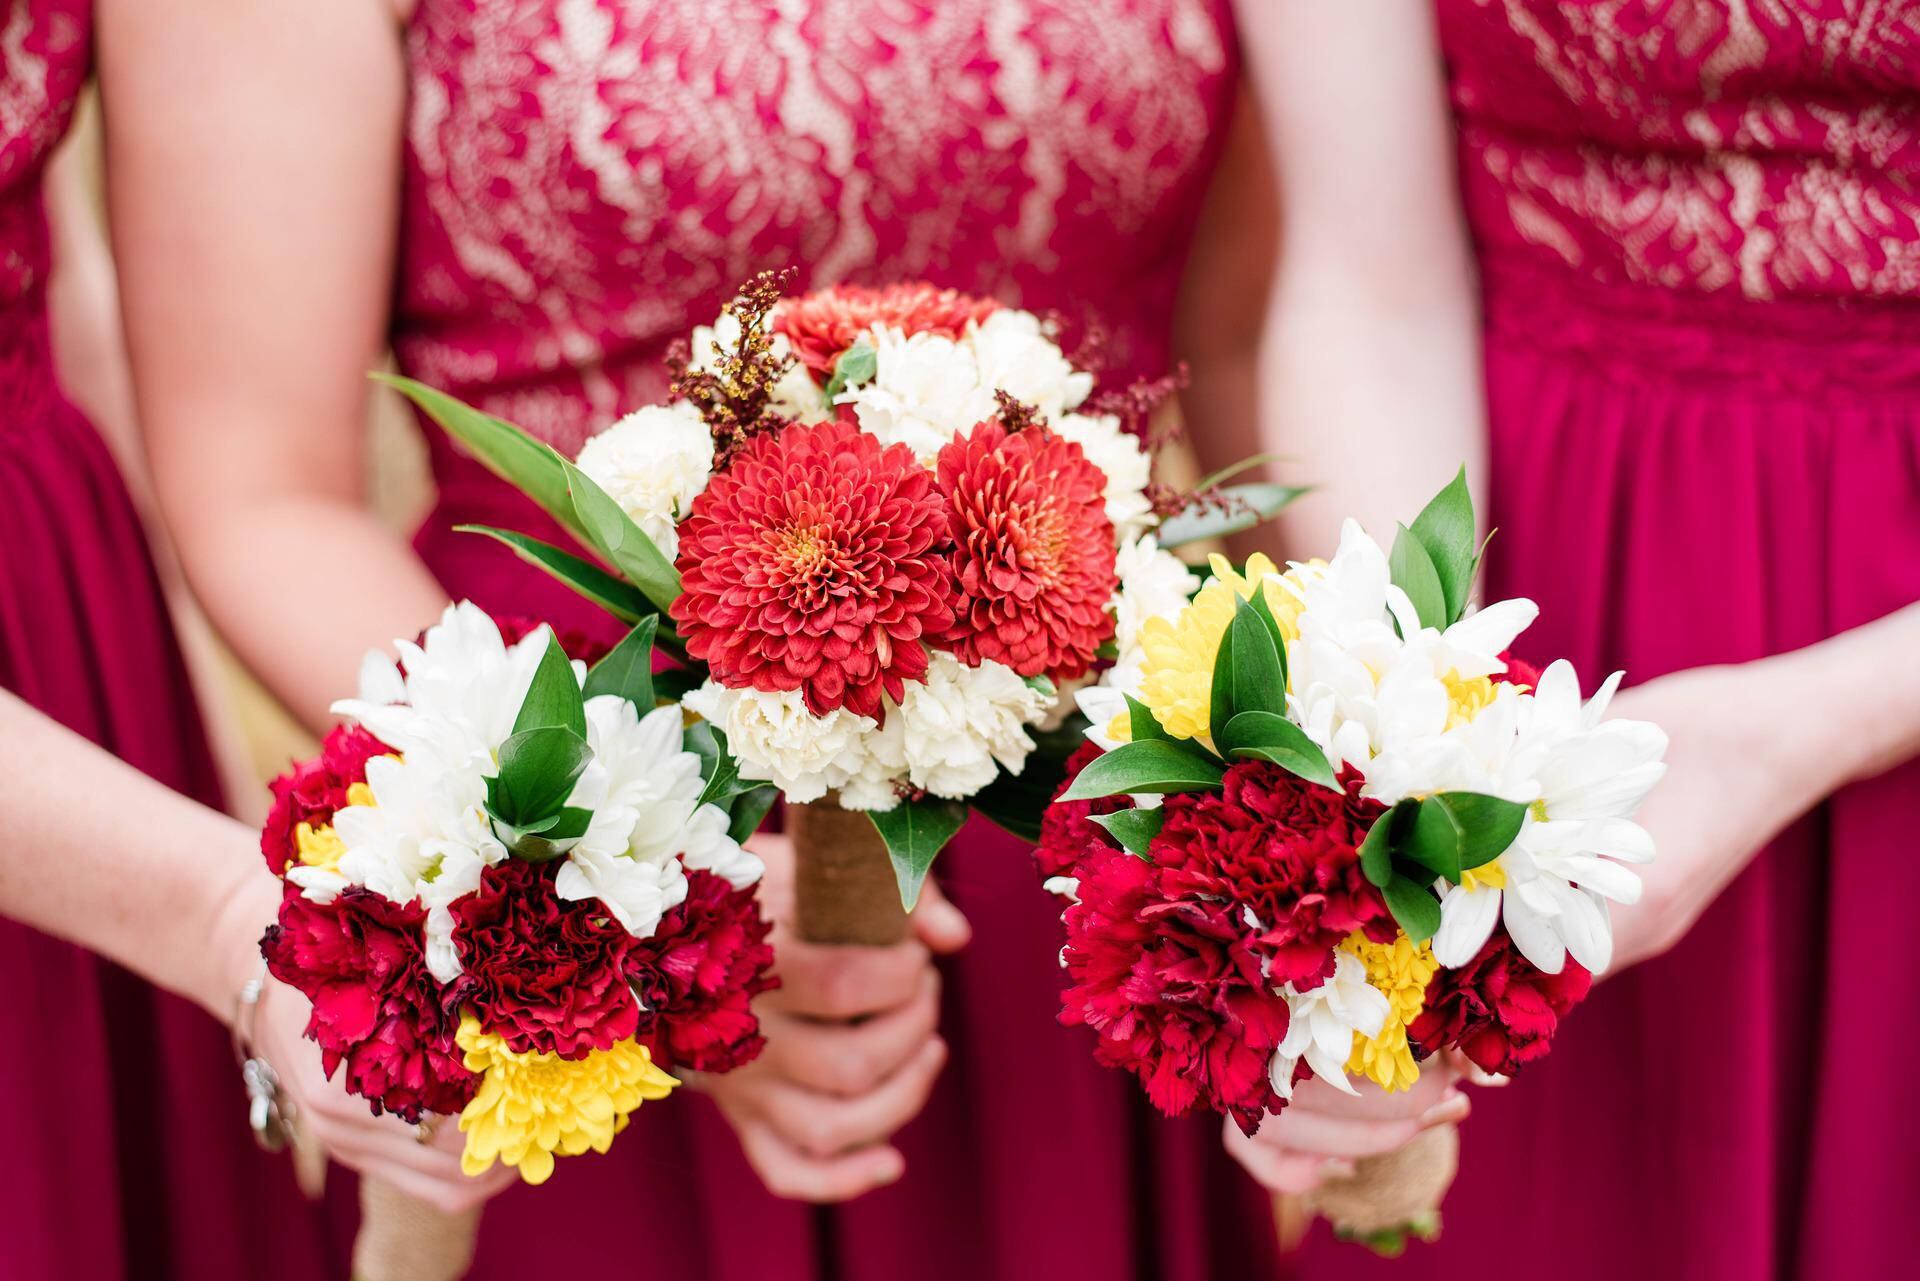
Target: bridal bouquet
{"points": [[1329, 829], [884, 528], [514, 892]]}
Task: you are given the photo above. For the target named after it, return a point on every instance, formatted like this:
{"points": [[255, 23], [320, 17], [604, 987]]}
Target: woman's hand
{"points": [[852, 1050], [1323, 1132], [383, 1147]]}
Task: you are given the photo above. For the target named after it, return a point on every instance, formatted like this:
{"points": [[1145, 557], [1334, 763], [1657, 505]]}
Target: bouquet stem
{"points": [[844, 887], [1391, 1197], [404, 1239]]}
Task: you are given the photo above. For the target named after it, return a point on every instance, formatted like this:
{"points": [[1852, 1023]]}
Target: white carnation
{"points": [[1118, 455], [775, 738], [965, 724], [1015, 355], [654, 463], [795, 396], [925, 390]]}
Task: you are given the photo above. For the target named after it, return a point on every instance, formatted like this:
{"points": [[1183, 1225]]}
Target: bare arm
{"points": [[254, 219], [1369, 371]]}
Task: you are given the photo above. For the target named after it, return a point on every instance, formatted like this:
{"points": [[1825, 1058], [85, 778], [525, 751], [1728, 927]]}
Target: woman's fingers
{"points": [[1318, 1133], [793, 1174], [831, 982], [823, 1125], [848, 1059], [938, 923]]}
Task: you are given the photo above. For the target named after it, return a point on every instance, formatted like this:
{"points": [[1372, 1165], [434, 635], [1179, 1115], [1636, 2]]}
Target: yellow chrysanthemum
{"points": [[1467, 697], [1176, 680], [1400, 971], [319, 846], [1488, 876], [533, 1105]]}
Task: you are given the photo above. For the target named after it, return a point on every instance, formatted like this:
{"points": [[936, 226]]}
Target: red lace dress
{"points": [[587, 180], [127, 1150], [1699, 231]]}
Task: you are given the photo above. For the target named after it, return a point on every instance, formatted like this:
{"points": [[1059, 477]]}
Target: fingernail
{"points": [[1446, 1112], [1338, 1168]]}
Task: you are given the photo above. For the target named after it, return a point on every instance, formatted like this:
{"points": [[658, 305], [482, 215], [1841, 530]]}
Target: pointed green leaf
{"points": [[554, 696], [537, 771], [611, 532], [915, 831], [1413, 573], [749, 808], [703, 740], [1213, 480], [723, 778], [1488, 824], [1142, 725], [1376, 851], [1434, 839], [1247, 671], [1445, 529], [673, 684], [1265, 611], [1251, 504], [856, 364], [1414, 906], [614, 595], [627, 670], [1150, 766], [1268, 736], [1133, 828]]}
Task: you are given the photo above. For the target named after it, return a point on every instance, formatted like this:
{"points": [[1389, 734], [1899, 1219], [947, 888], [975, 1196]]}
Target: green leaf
{"points": [[723, 783], [1252, 504], [1042, 685], [611, 594], [1414, 906], [703, 740], [554, 696], [627, 670], [1487, 825], [856, 364], [1213, 480], [673, 684], [1133, 828], [1265, 611], [1150, 766], [1142, 725], [611, 532], [1259, 670], [915, 831], [1269, 736], [529, 465], [1445, 529], [1434, 839], [1413, 573], [1376, 851], [538, 768], [749, 808]]}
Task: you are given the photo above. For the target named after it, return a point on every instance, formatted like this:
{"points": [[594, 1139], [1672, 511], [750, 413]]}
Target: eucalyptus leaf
{"points": [[915, 831], [612, 533], [1133, 828], [1445, 529], [1269, 736], [856, 365], [554, 697], [1413, 906], [1249, 505], [1213, 480], [627, 670], [1413, 573], [1151, 766]]}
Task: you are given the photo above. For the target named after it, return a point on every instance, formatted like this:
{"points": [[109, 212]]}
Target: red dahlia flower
{"points": [[816, 562], [822, 325], [1498, 1008], [543, 973], [311, 791], [376, 1010], [1033, 550], [697, 975], [1284, 850]]}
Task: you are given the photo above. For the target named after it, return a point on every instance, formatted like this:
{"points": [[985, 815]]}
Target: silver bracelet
{"points": [[269, 1113]]}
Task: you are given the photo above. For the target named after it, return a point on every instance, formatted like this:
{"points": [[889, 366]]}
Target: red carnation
{"points": [[1033, 550], [1499, 1008], [546, 974], [697, 976], [821, 326], [1067, 827], [312, 790], [1519, 672], [376, 1010], [816, 562], [1174, 989], [575, 644], [1284, 850]]}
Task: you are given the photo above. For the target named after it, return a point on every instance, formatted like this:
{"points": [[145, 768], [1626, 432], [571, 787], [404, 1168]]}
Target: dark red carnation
{"points": [[1173, 988], [376, 1009], [698, 975], [546, 974], [1519, 672], [1285, 850], [817, 562], [820, 326], [1067, 827], [1499, 1008], [574, 643], [312, 790], [1033, 550]]}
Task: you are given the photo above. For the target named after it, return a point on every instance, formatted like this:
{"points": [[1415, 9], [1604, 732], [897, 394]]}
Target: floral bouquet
{"points": [[515, 894], [886, 528], [1330, 829]]}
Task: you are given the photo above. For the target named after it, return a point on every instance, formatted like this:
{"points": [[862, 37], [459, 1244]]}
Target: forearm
{"points": [[1869, 679], [93, 851]]}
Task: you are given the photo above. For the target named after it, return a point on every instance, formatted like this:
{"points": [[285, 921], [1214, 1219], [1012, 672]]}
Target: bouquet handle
{"points": [[1388, 1199], [844, 889], [402, 1238]]}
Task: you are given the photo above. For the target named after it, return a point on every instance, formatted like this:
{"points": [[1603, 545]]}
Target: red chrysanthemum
{"points": [[1174, 989], [1284, 850], [543, 973], [816, 562], [312, 790], [1499, 1008], [575, 644], [1033, 550], [697, 976], [821, 326], [1067, 828], [376, 1009]]}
